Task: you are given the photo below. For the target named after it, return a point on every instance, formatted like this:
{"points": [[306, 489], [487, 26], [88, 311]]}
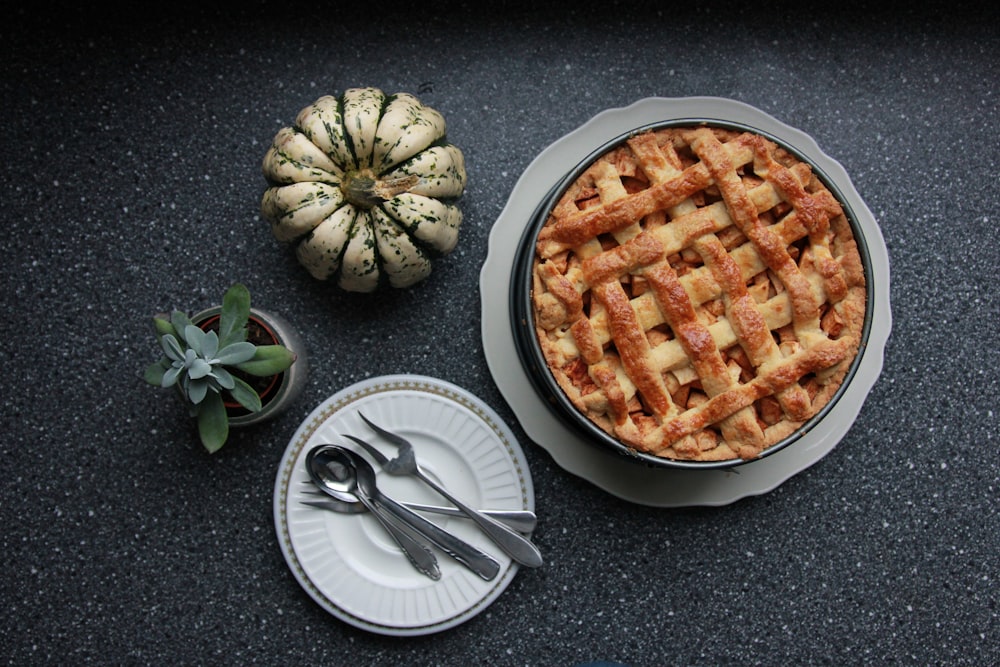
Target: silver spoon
{"points": [[364, 485], [338, 480]]}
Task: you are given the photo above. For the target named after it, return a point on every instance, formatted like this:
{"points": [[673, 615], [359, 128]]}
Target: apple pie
{"points": [[698, 293]]}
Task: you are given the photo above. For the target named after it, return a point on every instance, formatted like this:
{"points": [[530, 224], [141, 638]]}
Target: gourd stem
{"points": [[365, 190]]}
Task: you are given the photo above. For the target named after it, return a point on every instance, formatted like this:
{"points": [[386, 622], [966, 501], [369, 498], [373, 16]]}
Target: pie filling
{"points": [[698, 293]]}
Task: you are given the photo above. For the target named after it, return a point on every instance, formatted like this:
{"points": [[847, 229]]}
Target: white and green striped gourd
{"points": [[365, 186]]}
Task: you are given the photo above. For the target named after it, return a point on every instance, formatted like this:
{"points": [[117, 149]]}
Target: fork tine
{"points": [[379, 457], [388, 435]]}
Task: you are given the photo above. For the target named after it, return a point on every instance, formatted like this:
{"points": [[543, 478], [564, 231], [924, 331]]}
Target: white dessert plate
{"points": [[347, 563], [608, 470]]}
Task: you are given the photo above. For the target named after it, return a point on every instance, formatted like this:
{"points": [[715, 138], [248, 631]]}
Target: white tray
{"points": [[612, 472]]}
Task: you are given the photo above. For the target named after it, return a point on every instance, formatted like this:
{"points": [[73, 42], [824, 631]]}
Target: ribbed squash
{"points": [[365, 186]]}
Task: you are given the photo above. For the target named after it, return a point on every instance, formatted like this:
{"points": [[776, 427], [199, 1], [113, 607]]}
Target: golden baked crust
{"points": [[698, 293]]}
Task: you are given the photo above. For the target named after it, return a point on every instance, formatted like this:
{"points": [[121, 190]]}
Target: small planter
{"points": [[277, 392], [232, 364]]}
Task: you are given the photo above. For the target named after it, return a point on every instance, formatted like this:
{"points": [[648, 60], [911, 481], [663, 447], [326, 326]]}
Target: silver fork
{"points": [[513, 543]]}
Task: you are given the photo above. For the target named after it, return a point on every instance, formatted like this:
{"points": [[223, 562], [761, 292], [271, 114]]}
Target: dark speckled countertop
{"points": [[131, 184]]}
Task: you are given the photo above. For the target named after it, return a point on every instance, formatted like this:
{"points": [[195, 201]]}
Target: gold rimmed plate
{"points": [[346, 563]]}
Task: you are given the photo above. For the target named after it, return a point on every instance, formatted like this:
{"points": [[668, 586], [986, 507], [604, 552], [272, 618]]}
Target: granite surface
{"points": [[131, 184]]}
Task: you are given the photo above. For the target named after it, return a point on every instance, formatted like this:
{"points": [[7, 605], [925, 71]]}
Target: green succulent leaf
{"points": [[213, 423], [180, 321], [245, 395], [209, 345], [195, 338], [162, 326], [197, 389], [199, 369], [171, 375], [154, 374], [235, 315], [223, 377], [172, 348], [268, 360], [236, 353]]}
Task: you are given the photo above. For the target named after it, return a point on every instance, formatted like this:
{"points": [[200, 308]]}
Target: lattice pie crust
{"points": [[698, 293]]}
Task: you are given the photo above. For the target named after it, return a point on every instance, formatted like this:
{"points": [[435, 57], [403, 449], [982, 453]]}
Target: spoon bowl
{"points": [[334, 472]]}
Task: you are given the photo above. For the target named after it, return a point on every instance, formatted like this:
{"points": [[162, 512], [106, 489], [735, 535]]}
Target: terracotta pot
{"points": [[278, 391]]}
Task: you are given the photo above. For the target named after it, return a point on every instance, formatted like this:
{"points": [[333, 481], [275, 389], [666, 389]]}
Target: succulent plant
{"points": [[205, 365]]}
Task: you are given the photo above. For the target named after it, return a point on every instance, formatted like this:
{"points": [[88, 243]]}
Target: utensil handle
{"points": [[418, 553], [513, 544], [466, 554], [521, 520]]}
